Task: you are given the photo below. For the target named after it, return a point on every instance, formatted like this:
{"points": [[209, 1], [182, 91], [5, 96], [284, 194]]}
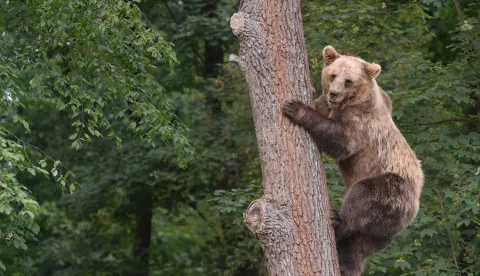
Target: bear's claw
{"points": [[335, 219], [291, 109]]}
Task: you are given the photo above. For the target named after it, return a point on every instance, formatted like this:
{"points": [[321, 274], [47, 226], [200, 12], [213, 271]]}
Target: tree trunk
{"points": [[292, 219], [143, 231]]}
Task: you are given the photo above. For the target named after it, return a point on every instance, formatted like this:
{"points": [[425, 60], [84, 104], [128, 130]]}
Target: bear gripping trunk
{"points": [[292, 219]]}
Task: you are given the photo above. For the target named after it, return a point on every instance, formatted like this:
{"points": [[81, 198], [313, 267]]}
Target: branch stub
{"points": [[236, 23]]}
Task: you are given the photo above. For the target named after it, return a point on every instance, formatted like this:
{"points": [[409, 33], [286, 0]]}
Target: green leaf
{"points": [[132, 125], [427, 232], [73, 136], [31, 171], [35, 228]]}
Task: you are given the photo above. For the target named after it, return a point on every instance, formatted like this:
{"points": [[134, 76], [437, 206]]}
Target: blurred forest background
{"points": [[127, 144]]}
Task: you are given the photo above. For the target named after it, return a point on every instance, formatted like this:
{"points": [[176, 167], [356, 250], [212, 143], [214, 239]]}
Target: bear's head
{"points": [[345, 79]]}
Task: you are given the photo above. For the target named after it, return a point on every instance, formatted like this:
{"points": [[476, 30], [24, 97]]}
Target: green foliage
{"points": [[94, 63], [90, 57], [18, 208], [79, 78]]}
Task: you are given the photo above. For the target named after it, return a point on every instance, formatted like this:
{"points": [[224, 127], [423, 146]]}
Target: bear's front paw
{"points": [[292, 109], [335, 219]]}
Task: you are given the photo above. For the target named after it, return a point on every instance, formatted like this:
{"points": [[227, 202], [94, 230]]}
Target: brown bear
{"points": [[352, 123]]}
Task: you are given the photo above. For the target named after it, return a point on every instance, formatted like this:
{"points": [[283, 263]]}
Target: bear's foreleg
{"points": [[327, 133]]}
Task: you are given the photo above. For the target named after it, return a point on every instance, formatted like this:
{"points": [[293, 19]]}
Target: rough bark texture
{"points": [[291, 220]]}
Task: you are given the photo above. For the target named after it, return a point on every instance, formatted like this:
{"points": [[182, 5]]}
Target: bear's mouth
{"points": [[333, 102]]}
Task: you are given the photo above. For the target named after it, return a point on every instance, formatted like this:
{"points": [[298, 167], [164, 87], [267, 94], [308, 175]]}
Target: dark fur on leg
{"points": [[353, 252], [379, 206], [328, 134], [335, 219], [368, 221]]}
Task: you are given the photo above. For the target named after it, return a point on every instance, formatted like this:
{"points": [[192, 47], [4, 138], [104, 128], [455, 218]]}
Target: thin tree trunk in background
{"points": [[213, 56], [459, 10], [143, 231], [292, 219]]}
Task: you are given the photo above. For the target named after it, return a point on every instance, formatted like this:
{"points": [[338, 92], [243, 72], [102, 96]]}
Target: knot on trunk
{"points": [[269, 225], [250, 31]]}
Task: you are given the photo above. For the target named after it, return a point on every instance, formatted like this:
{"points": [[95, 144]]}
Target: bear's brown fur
{"points": [[383, 178]]}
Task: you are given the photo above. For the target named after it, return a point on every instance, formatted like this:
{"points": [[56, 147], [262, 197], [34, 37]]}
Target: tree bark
{"points": [[292, 219]]}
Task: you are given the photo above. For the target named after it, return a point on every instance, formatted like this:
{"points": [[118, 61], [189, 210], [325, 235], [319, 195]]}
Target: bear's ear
{"points": [[329, 55], [373, 69]]}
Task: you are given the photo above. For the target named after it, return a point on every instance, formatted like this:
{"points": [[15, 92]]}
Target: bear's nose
{"points": [[333, 93]]}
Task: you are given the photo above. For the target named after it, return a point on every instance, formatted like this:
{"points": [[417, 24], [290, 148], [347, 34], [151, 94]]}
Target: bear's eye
{"points": [[333, 76], [348, 82]]}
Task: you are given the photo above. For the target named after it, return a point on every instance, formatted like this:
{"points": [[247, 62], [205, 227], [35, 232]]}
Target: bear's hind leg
{"points": [[354, 250], [380, 206], [373, 212]]}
